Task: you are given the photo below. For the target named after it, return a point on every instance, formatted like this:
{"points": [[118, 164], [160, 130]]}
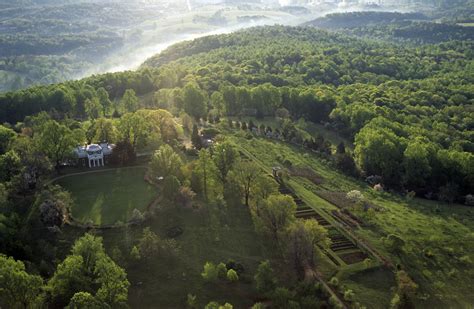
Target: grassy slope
{"points": [[446, 230], [109, 196], [162, 283]]}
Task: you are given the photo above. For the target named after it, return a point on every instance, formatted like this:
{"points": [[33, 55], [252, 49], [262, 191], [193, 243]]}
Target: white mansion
{"points": [[94, 154]]}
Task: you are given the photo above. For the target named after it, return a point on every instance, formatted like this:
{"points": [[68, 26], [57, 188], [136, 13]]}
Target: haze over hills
{"points": [[46, 41]]}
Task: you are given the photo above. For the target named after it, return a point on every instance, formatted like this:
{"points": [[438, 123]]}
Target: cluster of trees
{"points": [[97, 96], [87, 278], [404, 27], [386, 92], [32, 212]]}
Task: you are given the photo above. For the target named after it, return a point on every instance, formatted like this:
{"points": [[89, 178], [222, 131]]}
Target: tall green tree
{"points": [[104, 100], [133, 128], [18, 289], [93, 108], [265, 278], [6, 137], [194, 101], [206, 170], [56, 141], [275, 217], [246, 173], [129, 101], [195, 138], [224, 158], [165, 162]]}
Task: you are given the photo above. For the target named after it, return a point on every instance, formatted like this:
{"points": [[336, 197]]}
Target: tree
{"points": [[416, 164], [103, 130], [18, 289], [232, 275], [135, 254], [221, 270], [210, 272], [304, 236], [217, 101], [194, 101], [6, 137], [265, 278], [379, 152], [84, 300], [123, 154], [54, 205], [129, 100], [93, 108], [224, 158], [245, 173], [104, 100], [275, 216], [91, 249], [113, 283], [165, 162], [133, 128], [206, 169], [196, 138], [149, 244], [10, 165], [89, 269], [69, 278], [56, 141], [171, 186]]}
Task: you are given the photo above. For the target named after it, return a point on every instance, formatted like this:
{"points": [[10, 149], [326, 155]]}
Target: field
{"points": [[108, 196], [164, 283], [438, 250]]}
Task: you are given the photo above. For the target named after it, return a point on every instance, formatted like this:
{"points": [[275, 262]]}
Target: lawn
{"points": [[165, 283], [108, 196]]}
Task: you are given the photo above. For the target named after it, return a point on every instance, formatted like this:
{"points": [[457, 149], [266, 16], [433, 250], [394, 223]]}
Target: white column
{"points": [[89, 160]]}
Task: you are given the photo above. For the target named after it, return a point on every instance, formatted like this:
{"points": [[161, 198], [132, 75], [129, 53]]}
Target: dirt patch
{"points": [[307, 173], [353, 257]]}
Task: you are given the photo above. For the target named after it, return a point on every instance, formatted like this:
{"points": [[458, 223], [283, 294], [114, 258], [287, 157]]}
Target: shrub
{"points": [[232, 275], [355, 196], [334, 281], [192, 301], [135, 254], [349, 295], [137, 216], [469, 201], [265, 278], [221, 270], [210, 272]]}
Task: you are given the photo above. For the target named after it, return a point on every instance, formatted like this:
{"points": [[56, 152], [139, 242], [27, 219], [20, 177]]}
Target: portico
{"points": [[94, 154]]}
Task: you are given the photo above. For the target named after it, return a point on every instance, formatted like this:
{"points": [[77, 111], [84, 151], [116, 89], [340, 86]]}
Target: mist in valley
{"points": [[52, 41]]}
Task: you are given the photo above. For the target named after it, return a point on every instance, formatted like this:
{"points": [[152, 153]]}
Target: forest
{"points": [[273, 167], [414, 28]]}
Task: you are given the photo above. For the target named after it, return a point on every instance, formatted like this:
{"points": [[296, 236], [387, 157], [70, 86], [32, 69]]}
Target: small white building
{"points": [[94, 154]]}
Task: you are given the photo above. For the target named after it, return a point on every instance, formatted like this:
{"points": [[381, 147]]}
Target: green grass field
{"points": [[108, 196], [165, 283]]}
